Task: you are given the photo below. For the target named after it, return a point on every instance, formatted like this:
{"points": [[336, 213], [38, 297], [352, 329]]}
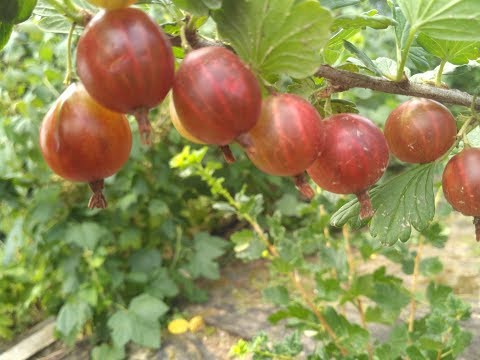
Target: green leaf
{"points": [[145, 332], [370, 19], [431, 266], [10, 10], [147, 307], [352, 336], [455, 52], [460, 340], [5, 32], [414, 353], [294, 310], [385, 290], [139, 323], [247, 245], [162, 285], [288, 205], [369, 64], [437, 323], [121, 328], [444, 19], [337, 4], [276, 36], [291, 345], [398, 339], [198, 7], [277, 295], [14, 241], [72, 316], [437, 293], [328, 289], [55, 23], [388, 67], [207, 248], [436, 235], [24, 11], [107, 352], [145, 260], [86, 235], [402, 202], [252, 205]]}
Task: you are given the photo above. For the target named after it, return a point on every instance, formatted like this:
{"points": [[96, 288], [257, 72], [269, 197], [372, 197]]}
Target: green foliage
{"points": [[455, 52], [262, 349], [13, 12], [266, 34], [196, 7], [444, 19], [402, 202], [370, 19], [121, 271]]}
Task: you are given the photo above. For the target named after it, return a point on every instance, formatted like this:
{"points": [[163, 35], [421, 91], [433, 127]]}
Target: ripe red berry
{"points": [[126, 63], [216, 96], [420, 130], [177, 124], [461, 184], [287, 138], [82, 141], [354, 158]]}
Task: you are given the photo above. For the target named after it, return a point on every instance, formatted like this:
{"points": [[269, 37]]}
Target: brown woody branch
{"points": [[341, 80]]}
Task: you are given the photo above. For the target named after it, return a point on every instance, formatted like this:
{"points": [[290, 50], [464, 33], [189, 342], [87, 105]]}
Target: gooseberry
{"points": [[354, 158], [126, 63], [83, 141], [420, 130], [461, 184]]}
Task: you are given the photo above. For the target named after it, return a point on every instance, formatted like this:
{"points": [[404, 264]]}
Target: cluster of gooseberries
{"points": [[126, 66]]}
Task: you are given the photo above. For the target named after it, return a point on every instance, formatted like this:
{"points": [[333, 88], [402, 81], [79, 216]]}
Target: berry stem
{"points": [[144, 127], [366, 209], [69, 71], [303, 186], [227, 154], [416, 272], [404, 54], [438, 79], [97, 200], [76, 14], [476, 222]]}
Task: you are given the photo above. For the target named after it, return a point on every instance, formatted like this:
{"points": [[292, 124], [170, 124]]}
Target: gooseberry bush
{"points": [[274, 87]]}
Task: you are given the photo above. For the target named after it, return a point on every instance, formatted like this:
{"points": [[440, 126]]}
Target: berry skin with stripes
{"points": [[216, 96], [126, 63], [83, 141], [355, 157], [461, 184], [177, 124], [420, 131], [287, 138]]}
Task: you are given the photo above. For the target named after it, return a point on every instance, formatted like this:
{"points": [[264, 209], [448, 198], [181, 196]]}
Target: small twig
{"points": [[68, 73], [438, 78], [346, 80], [184, 41], [351, 275], [76, 14], [416, 271], [298, 284], [342, 80]]}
